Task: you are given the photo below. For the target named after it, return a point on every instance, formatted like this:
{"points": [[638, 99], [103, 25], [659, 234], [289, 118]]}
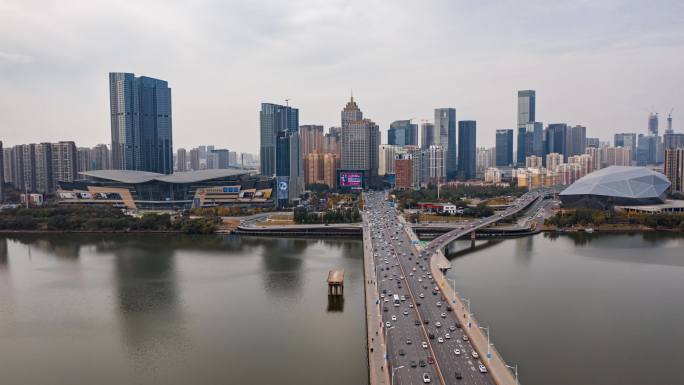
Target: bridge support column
{"points": [[472, 235]]}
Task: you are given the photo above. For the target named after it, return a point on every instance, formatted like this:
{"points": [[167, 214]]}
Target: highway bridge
{"points": [[419, 331]]}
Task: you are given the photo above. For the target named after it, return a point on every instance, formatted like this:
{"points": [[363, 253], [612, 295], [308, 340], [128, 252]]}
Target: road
{"points": [[423, 311]]}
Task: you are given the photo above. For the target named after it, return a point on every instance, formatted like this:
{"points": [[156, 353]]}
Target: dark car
{"points": [[402, 352], [417, 322], [384, 309], [459, 376], [449, 308], [427, 321], [413, 364], [431, 336], [421, 363]]}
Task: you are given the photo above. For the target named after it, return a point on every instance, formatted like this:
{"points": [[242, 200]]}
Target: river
{"points": [[166, 309]]}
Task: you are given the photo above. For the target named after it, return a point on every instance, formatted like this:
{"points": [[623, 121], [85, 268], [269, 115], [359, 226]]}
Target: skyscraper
{"points": [[65, 162], [43, 172], [627, 140], [402, 133], [536, 131], [194, 159], [427, 135], [527, 101], [289, 163], [445, 135], [653, 123], [556, 136], [504, 147], [351, 113], [141, 126], [522, 146], [466, 149], [273, 119], [674, 168], [576, 141], [360, 141]]}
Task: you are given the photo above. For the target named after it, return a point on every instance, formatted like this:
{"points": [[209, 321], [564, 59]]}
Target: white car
{"points": [[426, 378], [424, 345], [421, 295], [465, 337], [394, 318], [405, 312], [438, 324], [475, 355], [388, 324], [440, 340], [482, 368], [457, 352], [447, 336], [443, 315]]}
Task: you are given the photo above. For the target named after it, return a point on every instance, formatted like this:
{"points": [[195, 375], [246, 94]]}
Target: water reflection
{"points": [[3, 253], [471, 247], [62, 246], [335, 303], [282, 263]]}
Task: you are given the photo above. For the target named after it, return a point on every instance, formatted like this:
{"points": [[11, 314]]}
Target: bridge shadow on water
{"points": [[335, 303], [472, 246]]}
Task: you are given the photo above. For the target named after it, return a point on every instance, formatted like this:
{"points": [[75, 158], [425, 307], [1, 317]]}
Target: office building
{"points": [[672, 140], [195, 159], [311, 139], [181, 160], [653, 124], [350, 113], [522, 146], [593, 142], [445, 136], [534, 139], [141, 125], [556, 135], [404, 172], [647, 150], [627, 140], [289, 166], [360, 142], [402, 133], [576, 141], [504, 147], [273, 119], [674, 168], [427, 135], [466, 149], [526, 107]]}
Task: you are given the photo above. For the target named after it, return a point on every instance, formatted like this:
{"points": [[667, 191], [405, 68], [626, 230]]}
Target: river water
{"points": [[160, 309]]}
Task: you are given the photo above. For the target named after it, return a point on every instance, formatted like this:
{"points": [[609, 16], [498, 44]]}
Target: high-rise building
{"points": [[332, 141], [2, 173], [386, 159], [402, 133], [140, 123], [486, 158], [616, 156], [194, 159], [427, 135], [434, 166], [331, 162], [311, 139], [527, 104], [674, 168], [593, 142], [533, 161], [522, 146], [273, 119], [673, 140], [504, 147], [43, 172], [445, 135], [404, 172], [181, 160], [289, 162], [222, 158], [556, 138], [466, 149], [596, 157], [576, 141], [65, 162], [647, 150], [314, 163], [653, 124], [627, 140], [535, 135], [351, 113], [553, 160], [492, 175]]}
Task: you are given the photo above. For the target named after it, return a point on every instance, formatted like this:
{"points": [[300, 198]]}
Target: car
{"points": [[426, 378], [419, 279], [426, 321], [482, 368], [421, 295], [384, 309], [452, 328], [458, 376], [408, 341], [405, 312], [431, 336], [430, 360], [421, 363], [394, 318], [447, 336], [457, 352], [440, 340], [402, 352], [438, 324], [465, 337], [382, 295], [413, 364], [443, 315], [390, 278], [417, 303], [411, 305], [388, 324], [424, 345], [475, 355], [417, 322]]}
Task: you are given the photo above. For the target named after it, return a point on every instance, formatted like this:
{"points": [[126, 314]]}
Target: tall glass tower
{"points": [[467, 156], [445, 136], [141, 126], [273, 119]]}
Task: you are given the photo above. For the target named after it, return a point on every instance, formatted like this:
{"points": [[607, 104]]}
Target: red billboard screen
{"points": [[351, 179]]}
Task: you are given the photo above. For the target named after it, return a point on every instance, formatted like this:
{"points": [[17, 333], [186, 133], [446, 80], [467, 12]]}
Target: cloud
{"points": [[15, 58]]}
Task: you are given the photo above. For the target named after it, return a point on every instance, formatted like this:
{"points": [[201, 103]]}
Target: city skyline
{"points": [[561, 66]]}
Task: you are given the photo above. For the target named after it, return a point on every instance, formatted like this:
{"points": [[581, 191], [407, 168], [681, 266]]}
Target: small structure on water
{"points": [[336, 282]]}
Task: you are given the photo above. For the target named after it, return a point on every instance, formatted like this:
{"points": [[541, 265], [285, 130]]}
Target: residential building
{"points": [[195, 159], [627, 140], [616, 156], [434, 164], [311, 139], [141, 123], [533, 161], [673, 140], [2, 173], [445, 136], [504, 147], [674, 168], [553, 160], [404, 172], [44, 168], [596, 158], [492, 175], [466, 149], [65, 163], [386, 159], [181, 160], [331, 162], [576, 141], [314, 166], [222, 158], [486, 158]]}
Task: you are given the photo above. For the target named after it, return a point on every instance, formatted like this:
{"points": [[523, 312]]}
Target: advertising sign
{"points": [[351, 179], [283, 187]]}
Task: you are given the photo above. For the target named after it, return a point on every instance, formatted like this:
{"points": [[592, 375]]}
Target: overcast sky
{"points": [[602, 64]]}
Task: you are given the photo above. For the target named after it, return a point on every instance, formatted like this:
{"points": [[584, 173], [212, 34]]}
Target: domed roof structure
{"points": [[617, 185]]}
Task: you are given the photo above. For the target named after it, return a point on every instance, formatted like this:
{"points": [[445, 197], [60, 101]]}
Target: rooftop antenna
{"points": [[287, 102]]}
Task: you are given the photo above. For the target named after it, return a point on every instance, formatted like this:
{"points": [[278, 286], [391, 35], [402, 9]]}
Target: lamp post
{"points": [[467, 300], [453, 301], [394, 370], [515, 368], [489, 355]]}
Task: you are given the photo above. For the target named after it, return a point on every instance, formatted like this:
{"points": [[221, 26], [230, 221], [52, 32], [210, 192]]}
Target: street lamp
{"points": [[467, 300], [515, 368], [489, 355], [394, 370]]}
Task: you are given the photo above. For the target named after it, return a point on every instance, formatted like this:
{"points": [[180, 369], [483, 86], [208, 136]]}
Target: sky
{"points": [[601, 64]]}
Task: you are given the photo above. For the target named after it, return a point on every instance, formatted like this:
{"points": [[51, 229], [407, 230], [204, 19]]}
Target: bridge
{"points": [[419, 330]]}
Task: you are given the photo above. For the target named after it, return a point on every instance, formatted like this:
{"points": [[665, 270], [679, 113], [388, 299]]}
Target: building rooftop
{"points": [[621, 181], [133, 177]]}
